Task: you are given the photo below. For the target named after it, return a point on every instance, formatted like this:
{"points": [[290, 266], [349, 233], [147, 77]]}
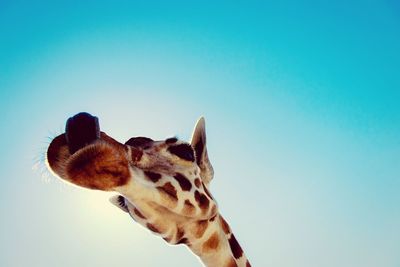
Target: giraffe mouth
{"points": [[81, 130], [84, 152]]}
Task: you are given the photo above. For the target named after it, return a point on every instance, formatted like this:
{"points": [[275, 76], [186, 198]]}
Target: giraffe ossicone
{"points": [[162, 185]]}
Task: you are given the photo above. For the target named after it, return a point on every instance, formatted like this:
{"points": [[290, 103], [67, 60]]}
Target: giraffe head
{"points": [[163, 180]]}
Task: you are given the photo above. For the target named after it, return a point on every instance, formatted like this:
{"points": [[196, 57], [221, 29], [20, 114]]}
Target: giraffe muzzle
{"points": [[81, 130]]}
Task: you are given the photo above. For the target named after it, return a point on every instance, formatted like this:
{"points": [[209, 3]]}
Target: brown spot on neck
{"points": [[212, 243], [202, 200], [224, 225], [200, 228], [152, 228], [168, 189], [153, 176], [138, 213], [188, 207], [231, 263], [184, 182], [248, 263], [197, 182], [235, 247]]}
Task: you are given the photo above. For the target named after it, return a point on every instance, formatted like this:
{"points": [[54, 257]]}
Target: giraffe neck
{"points": [[214, 243]]}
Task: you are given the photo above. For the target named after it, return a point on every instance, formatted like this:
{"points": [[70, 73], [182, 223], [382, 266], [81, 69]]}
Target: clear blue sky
{"points": [[301, 101]]}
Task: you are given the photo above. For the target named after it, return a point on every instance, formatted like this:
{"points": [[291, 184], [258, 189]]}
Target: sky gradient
{"points": [[301, 102]]}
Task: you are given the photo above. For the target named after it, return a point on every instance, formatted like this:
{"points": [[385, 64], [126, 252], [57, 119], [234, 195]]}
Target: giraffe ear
{"points": [[198, 143]]}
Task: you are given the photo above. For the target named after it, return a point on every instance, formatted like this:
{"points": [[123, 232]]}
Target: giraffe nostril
{"points": [[81, 130]]}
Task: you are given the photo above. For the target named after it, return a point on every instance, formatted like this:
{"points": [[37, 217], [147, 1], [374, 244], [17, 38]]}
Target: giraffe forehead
{"points": [[169, 148], [146, 142], [173, 182], [166, 157]]}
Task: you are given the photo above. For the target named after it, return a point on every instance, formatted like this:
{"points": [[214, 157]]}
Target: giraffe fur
{"points": [[162, 185]]}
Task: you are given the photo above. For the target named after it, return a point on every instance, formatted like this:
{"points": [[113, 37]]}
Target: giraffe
{"points": [[162, 185]]}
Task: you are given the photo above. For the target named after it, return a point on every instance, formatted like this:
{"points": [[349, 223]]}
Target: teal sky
{"points": [[301, 101]]}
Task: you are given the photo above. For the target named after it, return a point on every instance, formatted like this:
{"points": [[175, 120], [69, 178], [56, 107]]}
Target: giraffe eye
{"points": [[139, 141], [184, 151]]}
